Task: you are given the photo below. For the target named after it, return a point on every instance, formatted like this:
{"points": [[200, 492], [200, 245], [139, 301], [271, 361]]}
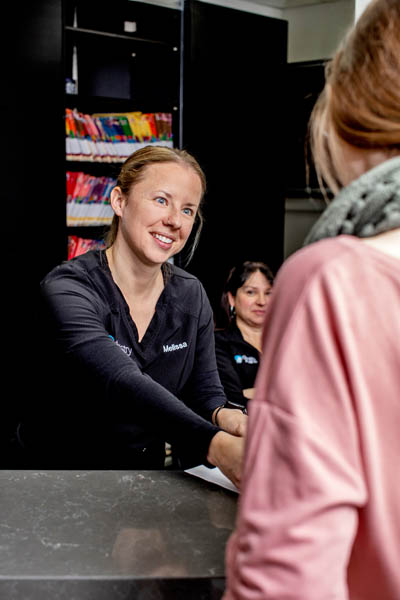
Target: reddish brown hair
{"points": [[361, 100]]}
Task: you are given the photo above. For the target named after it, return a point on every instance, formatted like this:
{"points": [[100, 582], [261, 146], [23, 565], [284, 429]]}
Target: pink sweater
{"points": [[319, 513]]}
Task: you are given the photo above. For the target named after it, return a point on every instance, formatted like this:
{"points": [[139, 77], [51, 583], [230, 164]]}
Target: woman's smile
{"points": [[163, 241]]}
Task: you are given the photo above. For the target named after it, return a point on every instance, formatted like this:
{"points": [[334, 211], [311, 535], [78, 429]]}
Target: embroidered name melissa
{"points": [[242, 358], [174, 347]]}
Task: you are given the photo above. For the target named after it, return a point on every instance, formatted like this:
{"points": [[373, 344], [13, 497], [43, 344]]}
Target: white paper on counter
{"points": [[214, 475]]}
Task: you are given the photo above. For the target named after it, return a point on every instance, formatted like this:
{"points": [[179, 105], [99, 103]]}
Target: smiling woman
{"points": [[165, 161], [238, 347], [137, 333], [157, 216], [156, 202]]}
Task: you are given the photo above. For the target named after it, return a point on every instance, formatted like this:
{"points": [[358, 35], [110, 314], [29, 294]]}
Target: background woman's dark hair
{"points": [[238, 276]]}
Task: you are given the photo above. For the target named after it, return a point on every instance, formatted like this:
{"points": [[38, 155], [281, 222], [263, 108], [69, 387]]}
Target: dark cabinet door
{"points": [[32, 191], [32, 131], [234, 123]]}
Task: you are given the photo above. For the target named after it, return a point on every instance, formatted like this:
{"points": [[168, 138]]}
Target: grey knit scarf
{"points": [[367, 206]]}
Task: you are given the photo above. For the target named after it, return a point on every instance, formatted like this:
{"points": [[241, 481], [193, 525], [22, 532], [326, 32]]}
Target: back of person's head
{"points": [[360, 104], [134, 169], [238, 276]]}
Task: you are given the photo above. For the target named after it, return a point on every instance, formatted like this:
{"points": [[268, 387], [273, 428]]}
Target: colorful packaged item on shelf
{"points": [[88, 199], [78, 245], [112, 137]]}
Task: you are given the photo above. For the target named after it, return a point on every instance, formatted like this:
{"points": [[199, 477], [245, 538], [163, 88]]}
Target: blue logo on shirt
{"points": [[125, 349], [242, 358]]}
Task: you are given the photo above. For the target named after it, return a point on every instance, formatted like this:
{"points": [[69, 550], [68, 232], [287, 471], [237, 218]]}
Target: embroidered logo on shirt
{"points": [[242, 358], [125, 349], [174, 347]]}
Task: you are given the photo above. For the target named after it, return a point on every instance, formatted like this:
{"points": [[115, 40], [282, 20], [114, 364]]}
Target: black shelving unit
{"points": [[96, 232], [119, 70], [94, 167]]}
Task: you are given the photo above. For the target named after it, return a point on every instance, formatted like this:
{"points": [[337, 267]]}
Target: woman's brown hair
{"points": [[360, 103], [133, 171]]}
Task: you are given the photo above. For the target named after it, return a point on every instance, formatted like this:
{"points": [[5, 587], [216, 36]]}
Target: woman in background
{"points": [[238, 347], [319, 514]]}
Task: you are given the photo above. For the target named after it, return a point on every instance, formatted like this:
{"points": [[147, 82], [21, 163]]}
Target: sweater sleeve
{"points": [[78, 321], [229, 377], [303, 477]]}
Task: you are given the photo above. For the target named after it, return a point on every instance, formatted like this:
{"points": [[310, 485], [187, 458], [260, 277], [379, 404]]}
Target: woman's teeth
{"points": [[162, 238]]}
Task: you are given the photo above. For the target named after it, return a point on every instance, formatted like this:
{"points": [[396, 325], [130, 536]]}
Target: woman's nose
{"points": [[261, 299], [173, 219]]}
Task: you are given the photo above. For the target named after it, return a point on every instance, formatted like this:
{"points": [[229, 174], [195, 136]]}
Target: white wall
{"points": [[360, 5], [316, 30], [167, 3], [249, 6], [256, 6]]}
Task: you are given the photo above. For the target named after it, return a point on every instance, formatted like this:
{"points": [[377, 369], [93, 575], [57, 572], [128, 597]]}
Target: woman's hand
{"points": [[226, 452], [232, 420], [248, 393]]}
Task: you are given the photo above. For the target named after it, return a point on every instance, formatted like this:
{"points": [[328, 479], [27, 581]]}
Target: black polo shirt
{"points": [[237, 362], [112, 392]]}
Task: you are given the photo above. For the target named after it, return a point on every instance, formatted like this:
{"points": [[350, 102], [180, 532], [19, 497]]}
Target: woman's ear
{"points": [[231, 299], [117, 201]]}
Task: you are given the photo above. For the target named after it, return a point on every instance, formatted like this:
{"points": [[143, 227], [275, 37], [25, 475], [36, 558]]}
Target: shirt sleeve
{"points": [[229, 377], [77, 317], [303, 477]]}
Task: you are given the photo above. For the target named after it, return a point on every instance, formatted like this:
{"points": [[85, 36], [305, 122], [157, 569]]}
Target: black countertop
{"points": [[108, 535]]}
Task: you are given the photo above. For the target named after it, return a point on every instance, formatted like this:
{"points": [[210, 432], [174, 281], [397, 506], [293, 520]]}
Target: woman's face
{"points": [[251, 300], [158, 214]]}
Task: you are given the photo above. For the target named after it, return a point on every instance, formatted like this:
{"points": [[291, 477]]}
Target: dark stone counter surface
{"points": [[112, 535]]}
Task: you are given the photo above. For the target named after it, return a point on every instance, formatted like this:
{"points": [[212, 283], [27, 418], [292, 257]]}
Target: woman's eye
{"points": [[188, 211], [161, 200], [250, 292]]}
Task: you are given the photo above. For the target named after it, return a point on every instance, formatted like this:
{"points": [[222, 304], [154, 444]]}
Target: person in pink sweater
{"points": [[319, 510]]}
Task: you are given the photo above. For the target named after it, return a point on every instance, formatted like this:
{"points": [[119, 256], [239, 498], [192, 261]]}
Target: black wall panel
{"points": [[32, 117], [32, 190], [233, 122]]}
